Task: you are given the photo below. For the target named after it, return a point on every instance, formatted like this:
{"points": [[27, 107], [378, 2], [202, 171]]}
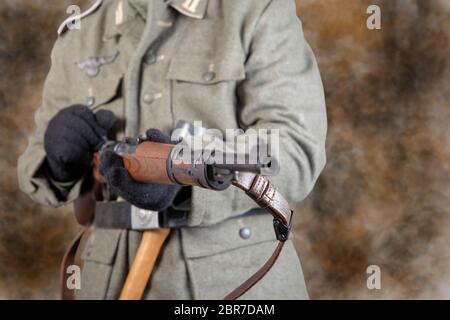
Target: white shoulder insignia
{"points": [[71, 19]]}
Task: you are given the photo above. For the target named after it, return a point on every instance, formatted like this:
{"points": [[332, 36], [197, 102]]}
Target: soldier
{"points": [[140, 64]]}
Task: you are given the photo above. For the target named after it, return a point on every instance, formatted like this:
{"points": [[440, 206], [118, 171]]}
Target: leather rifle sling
{"points": [[84, 210], [143, 263], [261, 190]]}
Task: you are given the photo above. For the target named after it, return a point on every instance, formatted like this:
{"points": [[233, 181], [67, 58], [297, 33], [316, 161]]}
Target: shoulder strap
{"points": [[261, 190]]}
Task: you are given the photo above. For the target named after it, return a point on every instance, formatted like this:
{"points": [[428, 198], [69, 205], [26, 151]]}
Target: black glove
{"points": [[156, 197], [71, 138]]}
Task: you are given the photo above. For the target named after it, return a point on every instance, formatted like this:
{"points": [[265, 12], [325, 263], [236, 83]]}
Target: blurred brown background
{"points": [[383, 199]]}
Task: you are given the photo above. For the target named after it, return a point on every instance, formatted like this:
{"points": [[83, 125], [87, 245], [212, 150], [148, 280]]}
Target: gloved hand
{"points": [[156, 197], [71, 138]]}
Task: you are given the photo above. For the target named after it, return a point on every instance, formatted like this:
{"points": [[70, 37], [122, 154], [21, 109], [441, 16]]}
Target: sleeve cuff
{"points": [[35, 181]]}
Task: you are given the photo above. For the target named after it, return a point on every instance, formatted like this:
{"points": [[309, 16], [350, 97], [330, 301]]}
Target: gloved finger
{"points": [[108, 161], [76, 109], [67, 142], [76, 154], [86, 114], [80, 110], [142, 195], [106, 119], [161, 197], [121, 182], [84, 133], [157, 135], [63, 119]]}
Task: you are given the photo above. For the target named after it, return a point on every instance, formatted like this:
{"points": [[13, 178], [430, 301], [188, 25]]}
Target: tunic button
{"points": [[148, 98], [150, 58], [90, 101], [209, 76], [245, 233]]}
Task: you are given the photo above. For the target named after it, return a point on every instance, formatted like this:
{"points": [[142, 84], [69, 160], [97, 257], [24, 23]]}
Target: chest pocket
{"points": [[205, 89], [204, 71]]}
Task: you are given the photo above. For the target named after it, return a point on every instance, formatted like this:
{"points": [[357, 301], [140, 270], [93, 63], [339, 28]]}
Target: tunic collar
{"points": [[190, 8]]}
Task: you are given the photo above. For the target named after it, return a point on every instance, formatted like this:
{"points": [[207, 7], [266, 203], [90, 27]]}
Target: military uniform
{"points": [[228, 63]]}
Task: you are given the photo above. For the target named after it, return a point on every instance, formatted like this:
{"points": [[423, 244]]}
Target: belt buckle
{"points": [[142, 219]]}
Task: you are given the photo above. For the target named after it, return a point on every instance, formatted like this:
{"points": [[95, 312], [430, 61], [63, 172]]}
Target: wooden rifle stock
{"points": [[148, 164]]}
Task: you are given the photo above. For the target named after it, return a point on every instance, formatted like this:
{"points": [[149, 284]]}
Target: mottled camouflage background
{"points": [[383, 198]]}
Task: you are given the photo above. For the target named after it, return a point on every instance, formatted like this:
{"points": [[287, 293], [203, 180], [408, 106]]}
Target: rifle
{"points": [[151, 162]]}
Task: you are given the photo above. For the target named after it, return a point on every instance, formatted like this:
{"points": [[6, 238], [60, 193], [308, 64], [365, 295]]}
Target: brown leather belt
{"points": [[122, 215]]}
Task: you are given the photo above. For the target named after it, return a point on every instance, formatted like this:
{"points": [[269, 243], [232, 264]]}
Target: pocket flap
{"points": [[227, 235], [101, 246], [202, 71]]}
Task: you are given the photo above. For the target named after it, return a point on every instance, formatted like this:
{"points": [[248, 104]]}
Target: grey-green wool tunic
{"points": [[157, 60]]}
